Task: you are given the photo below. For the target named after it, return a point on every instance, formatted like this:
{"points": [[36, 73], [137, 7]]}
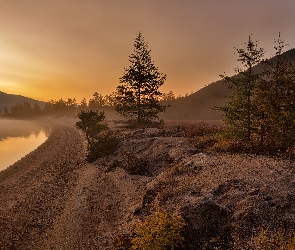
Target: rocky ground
{"points": [[53, 199]]}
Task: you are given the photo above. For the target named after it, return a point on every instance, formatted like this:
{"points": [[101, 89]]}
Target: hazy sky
{"points": [[72, 48]]}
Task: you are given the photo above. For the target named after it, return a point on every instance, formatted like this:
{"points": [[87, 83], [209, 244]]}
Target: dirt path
{"points": [[33, 192], [100, 203], [51, 199]]}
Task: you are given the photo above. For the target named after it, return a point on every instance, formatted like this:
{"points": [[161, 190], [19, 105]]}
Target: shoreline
{"points": [[21, 143], [34, 189]]}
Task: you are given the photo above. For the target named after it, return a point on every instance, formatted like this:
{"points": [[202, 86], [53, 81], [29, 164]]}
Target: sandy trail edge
{"points": [[52, 199], [34, 190]]}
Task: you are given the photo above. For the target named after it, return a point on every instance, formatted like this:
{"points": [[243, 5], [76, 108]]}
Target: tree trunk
{"points": [[139, 105], [249, 106]]}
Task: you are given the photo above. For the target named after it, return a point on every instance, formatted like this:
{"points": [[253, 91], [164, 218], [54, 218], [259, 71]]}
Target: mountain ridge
{"points": [[9, 100]]}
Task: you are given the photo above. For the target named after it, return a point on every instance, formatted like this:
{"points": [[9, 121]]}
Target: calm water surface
{"points": [[18, 138]]}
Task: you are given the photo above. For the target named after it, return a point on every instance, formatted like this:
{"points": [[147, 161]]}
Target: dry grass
{"points": [[210, 136], [53, 199], [267, 240]]}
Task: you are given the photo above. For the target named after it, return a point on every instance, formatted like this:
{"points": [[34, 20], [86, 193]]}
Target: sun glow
{"points": [[8, 85], [57, 49], [22, 72]]}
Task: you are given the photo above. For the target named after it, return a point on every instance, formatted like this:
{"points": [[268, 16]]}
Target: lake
{"points": [[18, 138]]}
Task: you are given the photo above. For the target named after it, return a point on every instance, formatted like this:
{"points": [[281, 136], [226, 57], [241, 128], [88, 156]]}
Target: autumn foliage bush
{"points": [[267, 240], [202, 135], [159, 231], [212, 137]]}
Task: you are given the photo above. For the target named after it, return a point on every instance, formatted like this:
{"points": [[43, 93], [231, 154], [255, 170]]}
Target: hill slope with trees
{"points": [[198, 106], [10, 100]]}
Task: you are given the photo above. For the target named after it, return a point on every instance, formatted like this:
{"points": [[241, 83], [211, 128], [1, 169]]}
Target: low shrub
{"points": [[133, 164], [102, 145], [159, 231], [227, 145], [266, 240], [123, 242], [190, 129], [204, 142], [133, 124], [201, 129], [203, 136], [101, 141]]}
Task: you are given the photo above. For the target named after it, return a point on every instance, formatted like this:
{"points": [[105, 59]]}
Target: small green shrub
{"points": [[99, 144], [90, 122], [102, 145]]}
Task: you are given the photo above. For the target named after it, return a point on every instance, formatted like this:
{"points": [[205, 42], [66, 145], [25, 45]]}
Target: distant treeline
{"points": [[69, 106]]}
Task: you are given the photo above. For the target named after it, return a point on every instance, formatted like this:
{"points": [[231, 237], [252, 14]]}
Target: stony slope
{"points": [[52, 199]]}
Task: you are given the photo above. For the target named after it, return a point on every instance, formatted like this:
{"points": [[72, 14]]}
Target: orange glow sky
{"points": [[72, 48]]}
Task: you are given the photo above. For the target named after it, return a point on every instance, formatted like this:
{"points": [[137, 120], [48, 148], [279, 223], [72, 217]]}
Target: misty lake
{"points": [[18, 138]]}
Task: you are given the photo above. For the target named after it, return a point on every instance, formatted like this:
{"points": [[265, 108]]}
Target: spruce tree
{"points": [[138, 97], [240, 112], [97, 101], [276, 99], [83, 104]]}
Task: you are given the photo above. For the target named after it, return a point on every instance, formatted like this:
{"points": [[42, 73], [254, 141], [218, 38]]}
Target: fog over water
{"points": [[18, 138]]}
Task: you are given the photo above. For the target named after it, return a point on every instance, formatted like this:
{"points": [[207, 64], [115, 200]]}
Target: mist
{"points": [[19, 128]]}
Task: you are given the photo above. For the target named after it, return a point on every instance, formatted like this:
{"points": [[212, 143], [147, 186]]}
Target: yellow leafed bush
{"points": [[159, 231], [267, 240]]}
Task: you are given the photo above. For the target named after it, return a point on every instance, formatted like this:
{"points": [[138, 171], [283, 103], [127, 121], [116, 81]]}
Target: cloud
{"points": [[85, 44]]}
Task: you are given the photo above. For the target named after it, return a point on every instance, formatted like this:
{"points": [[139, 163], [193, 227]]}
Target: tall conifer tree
{"points": [[138, 96], [276, 99], [240, 112]]}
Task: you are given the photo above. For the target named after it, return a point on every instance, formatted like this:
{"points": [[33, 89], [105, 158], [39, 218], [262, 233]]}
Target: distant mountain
{"points": [[10, 100], [198, 106]]}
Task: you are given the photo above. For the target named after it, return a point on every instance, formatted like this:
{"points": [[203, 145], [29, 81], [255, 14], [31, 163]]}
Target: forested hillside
{"points": [[9, 100], [198, 106]]}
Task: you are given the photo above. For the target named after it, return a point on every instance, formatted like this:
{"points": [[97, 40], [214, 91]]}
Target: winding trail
{"points": [[52, 199], [33, 191]]}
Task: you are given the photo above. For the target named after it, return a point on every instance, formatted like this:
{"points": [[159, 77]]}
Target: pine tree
{"points": [[240, 112], [83, 104], [97, 101], [138, 96], [276, 98], [6, 111]]}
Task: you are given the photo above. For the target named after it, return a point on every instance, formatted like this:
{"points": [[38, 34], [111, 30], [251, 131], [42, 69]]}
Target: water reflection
{"points": [[18, 138]]}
